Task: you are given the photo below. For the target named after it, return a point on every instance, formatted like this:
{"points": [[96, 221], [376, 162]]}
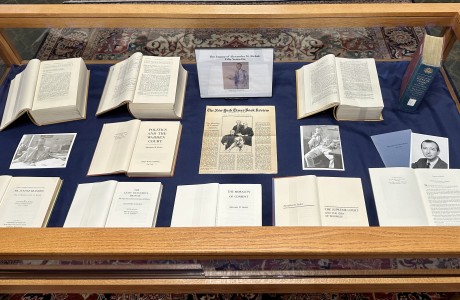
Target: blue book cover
{"points": [[420, 73], [394, 147]]}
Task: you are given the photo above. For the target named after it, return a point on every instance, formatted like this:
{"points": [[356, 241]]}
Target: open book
{"points": [[115, 204], [216, 204], [27, 201], [319, 201], [137, 148], [350, 85], [153, 87], [50, 92], [416, 197]]}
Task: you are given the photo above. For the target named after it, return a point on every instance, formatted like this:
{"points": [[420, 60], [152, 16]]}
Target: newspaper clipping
{"points": [[239, 140]]}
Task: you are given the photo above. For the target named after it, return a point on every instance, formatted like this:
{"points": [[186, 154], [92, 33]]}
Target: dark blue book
{"points": [[420, 73]]}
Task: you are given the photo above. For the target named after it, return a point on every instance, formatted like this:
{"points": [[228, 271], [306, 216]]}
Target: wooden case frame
{"points": [[231, 243]]}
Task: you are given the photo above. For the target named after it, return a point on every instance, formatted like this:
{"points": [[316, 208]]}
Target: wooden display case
{"points": [[198, 244]]}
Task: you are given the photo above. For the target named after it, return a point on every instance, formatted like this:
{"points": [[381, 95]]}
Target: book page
{"points": [[239, 140], [4, 181], [296, 201], [91, 204], [358, 82], [342, 201], [121, 83], [57, 83], [440, 189], [27, 202], [239, 205], [319, 86], [135, 204], [155, 149], [21, 93], [397, 197], [195, 205], [157, 80], [114, 148]]}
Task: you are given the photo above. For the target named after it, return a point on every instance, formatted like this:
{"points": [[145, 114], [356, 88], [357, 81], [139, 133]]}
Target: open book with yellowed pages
{"points": [[27, 201], [152, 87], [319, 201], [137, 148], [351, 86], [49, 92]]}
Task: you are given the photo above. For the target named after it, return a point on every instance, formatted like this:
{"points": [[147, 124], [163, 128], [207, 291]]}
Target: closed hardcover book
{"points": [[420, 73]]}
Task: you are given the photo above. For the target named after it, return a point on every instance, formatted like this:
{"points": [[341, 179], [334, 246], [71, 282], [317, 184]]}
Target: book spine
{"points": [[419, 83]]}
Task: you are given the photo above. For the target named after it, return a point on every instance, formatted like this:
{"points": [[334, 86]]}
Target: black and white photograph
{"points": [[235, 75], [321, 147], [37, 151], [429, 152], [237, 135]]}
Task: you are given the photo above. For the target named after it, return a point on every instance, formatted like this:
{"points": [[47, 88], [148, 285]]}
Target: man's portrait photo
{"points": [[36, 151], [429, 152], [235, 75]]}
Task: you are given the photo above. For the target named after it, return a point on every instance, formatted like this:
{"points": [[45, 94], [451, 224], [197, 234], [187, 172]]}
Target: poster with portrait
{"points": [[235, 73]]}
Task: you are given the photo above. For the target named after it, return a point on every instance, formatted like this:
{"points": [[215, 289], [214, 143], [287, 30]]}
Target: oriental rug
{"points": [[289, 44]]}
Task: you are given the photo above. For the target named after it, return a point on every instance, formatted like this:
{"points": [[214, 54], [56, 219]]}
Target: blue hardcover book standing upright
{"points": [[421, 71]]}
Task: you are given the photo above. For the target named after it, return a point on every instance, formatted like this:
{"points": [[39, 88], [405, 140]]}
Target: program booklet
{"points": [[115, 204], [416, 197], [27, 201], [215, 204], [239, 140], [319, 201], [153, 87], [49, 92], [137, 148], [351, 86]]}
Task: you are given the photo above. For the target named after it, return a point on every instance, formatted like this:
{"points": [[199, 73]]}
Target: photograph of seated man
{"points": [[431, 160], [321, 147], [43, 151]]}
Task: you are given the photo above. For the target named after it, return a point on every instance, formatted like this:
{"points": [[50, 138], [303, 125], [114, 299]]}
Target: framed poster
{"points": [[235, 73]]}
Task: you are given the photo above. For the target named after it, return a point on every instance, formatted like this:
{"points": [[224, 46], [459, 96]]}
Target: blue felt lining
{"points": [[436, 116]]}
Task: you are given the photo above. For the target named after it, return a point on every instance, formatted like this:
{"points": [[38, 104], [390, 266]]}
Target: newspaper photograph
{"points": [[239, 140]]}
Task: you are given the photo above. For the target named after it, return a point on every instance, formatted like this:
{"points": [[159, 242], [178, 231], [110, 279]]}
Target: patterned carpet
{"points": [[289, 44]]}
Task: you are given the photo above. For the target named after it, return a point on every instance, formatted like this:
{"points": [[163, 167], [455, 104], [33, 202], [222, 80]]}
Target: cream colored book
{"points": [[137, 148], [214, 204], [115, 204], [351, 86], [152, 87], [416, 197], [27, 201], [319, 201], [49, 92]]}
